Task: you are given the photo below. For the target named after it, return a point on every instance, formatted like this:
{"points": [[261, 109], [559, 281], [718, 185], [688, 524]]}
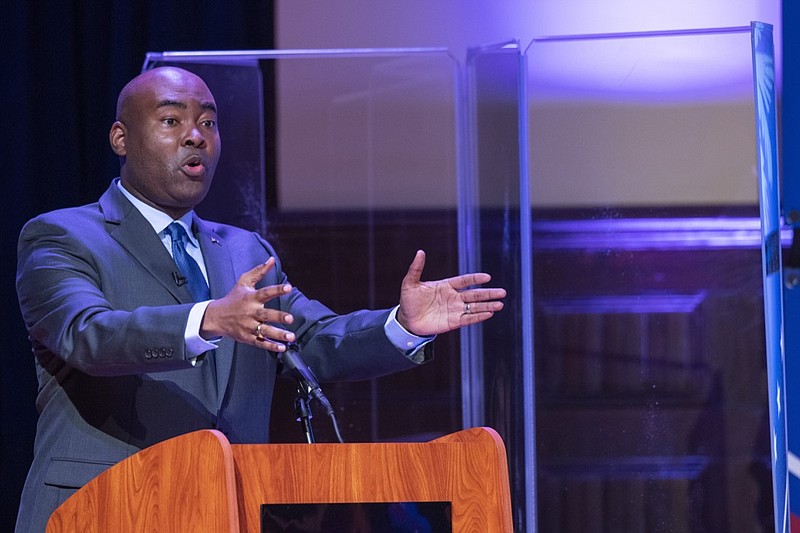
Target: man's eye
{"points": [[169, 121], [209, 123]]}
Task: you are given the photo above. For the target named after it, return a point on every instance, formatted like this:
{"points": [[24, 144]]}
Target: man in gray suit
{"points": [[148, 322]]}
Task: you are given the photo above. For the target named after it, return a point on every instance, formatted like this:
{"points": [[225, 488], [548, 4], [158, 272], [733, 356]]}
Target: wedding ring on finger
{"points": [[466, 308], [259, 335]]}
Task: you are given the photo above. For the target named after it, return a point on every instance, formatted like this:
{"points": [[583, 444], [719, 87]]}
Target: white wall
{"points": [[712, 149]]}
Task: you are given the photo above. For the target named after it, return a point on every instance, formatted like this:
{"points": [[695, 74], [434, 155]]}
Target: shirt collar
{"points": [[159, 220]]}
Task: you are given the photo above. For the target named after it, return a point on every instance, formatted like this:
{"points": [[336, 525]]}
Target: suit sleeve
{"points": [[347, 347]]}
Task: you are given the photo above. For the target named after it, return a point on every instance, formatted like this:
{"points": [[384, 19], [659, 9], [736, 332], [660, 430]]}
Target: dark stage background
{"points": [[63, 65]]}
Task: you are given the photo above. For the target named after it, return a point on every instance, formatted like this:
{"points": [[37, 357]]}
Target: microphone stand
{"points": [[302, 406]]}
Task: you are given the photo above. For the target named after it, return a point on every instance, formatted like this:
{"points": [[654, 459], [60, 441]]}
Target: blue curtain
{"points": [[63, 64]]}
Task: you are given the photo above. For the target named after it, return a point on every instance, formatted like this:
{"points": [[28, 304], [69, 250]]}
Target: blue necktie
{"points": [[188, 266]]}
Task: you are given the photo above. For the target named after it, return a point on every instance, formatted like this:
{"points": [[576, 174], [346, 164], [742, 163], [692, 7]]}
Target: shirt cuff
{"points": [[195, 344], [405, 341]]}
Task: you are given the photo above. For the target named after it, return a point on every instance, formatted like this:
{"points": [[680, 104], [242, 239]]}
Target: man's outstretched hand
{"points": [[433, 307]]}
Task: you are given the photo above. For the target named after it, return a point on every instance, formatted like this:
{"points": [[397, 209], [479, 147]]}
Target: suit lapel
{"points": [[132, 231], [221, 278]]}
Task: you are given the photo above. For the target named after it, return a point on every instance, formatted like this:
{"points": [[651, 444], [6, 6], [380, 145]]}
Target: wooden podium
{"points": [[200, 482]]}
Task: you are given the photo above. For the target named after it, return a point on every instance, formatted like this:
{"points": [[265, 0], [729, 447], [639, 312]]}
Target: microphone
{"points": [[180, 280], [305, 377]]}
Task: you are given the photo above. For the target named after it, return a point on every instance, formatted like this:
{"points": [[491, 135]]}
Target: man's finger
{"points": [[474, 318], [478, 307], [414, 274], [265, 294], [254, 275], [468, 280], [271, 333], [483, 295], [266, 314]]}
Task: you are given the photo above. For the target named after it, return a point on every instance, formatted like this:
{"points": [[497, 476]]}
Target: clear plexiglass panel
{"points": [[347, 161], [652, 406]]}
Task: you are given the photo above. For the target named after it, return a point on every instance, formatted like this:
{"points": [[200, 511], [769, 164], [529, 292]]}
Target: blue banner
{"points": [[769, 202]]}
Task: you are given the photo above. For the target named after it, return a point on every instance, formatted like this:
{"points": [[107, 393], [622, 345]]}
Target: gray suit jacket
{"points": [[106, 320]]}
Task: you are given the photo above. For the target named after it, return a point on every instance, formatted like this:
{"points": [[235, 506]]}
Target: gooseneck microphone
{"points": [[302, 373], [307, 388]]}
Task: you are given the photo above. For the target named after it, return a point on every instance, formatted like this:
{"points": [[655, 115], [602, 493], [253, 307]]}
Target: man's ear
{"points": [[117, 137]]}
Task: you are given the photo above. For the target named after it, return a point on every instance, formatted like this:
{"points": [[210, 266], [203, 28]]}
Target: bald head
{"points": [[145, 82]]}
